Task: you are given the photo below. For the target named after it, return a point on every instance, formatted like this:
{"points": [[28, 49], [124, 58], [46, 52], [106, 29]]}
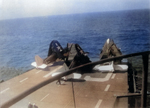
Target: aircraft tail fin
{"points": [[39, 62]]}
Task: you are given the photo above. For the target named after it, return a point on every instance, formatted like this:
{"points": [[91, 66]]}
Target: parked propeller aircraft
{"points": [[73, 55]]}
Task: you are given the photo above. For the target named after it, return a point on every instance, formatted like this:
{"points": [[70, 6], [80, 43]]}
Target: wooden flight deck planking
{"points": [[92, 90]]}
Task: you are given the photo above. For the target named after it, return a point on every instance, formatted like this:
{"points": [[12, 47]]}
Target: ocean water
{"points": [[22, 39]]}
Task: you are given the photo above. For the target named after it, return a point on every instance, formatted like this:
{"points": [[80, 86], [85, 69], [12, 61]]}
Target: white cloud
{"points": [[0, 3], [30, 8]]}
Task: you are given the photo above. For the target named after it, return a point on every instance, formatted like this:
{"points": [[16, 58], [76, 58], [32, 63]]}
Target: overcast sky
{"points": [[31, 8]]}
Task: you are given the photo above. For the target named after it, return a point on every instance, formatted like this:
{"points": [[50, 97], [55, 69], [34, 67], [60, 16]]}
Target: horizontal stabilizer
{"points": [[77, 75], [104, 68], [39, 63], [111, 67], [121, 67]]}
